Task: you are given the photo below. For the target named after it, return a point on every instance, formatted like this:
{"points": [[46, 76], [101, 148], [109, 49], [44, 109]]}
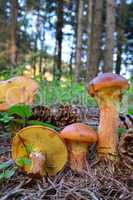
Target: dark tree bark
{"points": [[110, 29], [40, 36], [120, 37], [70, 65], [79, 40], [42, 41], [13, 49], [94, 32], [59, 38]]}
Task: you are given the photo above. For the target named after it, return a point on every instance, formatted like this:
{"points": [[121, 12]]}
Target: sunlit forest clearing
{"points": [[66, 100]]}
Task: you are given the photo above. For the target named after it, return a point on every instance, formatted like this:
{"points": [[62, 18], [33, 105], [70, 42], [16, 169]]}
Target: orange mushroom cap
{"points": [[106, 80], [79, 132]]}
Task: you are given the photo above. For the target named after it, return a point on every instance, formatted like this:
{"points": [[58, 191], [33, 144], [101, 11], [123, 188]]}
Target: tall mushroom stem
{"points": [[77, 155], [109, 102], [108, 89], [38, 163]]}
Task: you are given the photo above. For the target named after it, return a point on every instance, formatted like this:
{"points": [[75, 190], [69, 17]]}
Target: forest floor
{"points": [[96, 183]]}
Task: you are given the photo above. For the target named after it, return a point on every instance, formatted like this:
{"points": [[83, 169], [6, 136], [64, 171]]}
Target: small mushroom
{"points": [[78, 138], [108, 88], [17, 90], [43, 147]]}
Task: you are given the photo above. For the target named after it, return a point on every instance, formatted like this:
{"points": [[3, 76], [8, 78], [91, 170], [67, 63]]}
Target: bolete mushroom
{"points": [[78, 138], [107, 88], [17, 90], [43, 147]]}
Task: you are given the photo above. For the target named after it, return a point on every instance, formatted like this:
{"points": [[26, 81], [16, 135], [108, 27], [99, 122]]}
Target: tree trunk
{"points": [[79, 40], [34, 58], [70, 66], [119, 51], [59, 38], [37, 34], [110, 29], [94, 32], [42, 42], [120, 38], [13, 49]]}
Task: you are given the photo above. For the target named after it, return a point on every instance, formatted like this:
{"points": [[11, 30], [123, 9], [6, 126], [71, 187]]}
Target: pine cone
{"points": [[62, 115], [89, 115], [126, 121], [126, 149], [65, 115], [41, 113]]}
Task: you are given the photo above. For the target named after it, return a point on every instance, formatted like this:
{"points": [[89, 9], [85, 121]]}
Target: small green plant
{"points": [[21, 110], [23, 161], [24, 112], [130, 109], [4, 165], [121, 131], [7, 174], [5, 121], [5, 117], [29, 148], [7, 170], [63, 93]]}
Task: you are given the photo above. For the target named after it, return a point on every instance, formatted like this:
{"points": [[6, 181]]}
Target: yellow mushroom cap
{"points": [[16, 90], [41, 139], [79, 132]]}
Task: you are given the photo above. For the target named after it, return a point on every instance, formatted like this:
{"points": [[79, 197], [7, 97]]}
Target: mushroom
{"points": [[107, 88], [43, 147], [17, 90], [78, 138]]}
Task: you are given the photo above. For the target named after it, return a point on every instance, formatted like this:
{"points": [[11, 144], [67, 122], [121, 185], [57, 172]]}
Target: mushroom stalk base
{"points": [[107, 133], [77, 156], [38, 164]]}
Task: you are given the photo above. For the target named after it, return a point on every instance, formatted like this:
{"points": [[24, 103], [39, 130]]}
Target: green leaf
{"points": [[121, 131], [9, 173], [21, 110], [4, 165], [23, 161], [5, 117], [130, 110], [35, 122], [2, 175], [29, 148]]}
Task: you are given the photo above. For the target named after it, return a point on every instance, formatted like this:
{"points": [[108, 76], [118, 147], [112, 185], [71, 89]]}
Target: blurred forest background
{"points": [[63, 44], [67, 41]]}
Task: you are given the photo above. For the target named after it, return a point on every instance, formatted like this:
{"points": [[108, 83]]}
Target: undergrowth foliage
{"points": [[63, 92]]}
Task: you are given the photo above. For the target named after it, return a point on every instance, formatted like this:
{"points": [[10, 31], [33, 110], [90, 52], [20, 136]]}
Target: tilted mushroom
{"points": [[78, 138], [108, 88], [17, 90], [43, 147]]}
